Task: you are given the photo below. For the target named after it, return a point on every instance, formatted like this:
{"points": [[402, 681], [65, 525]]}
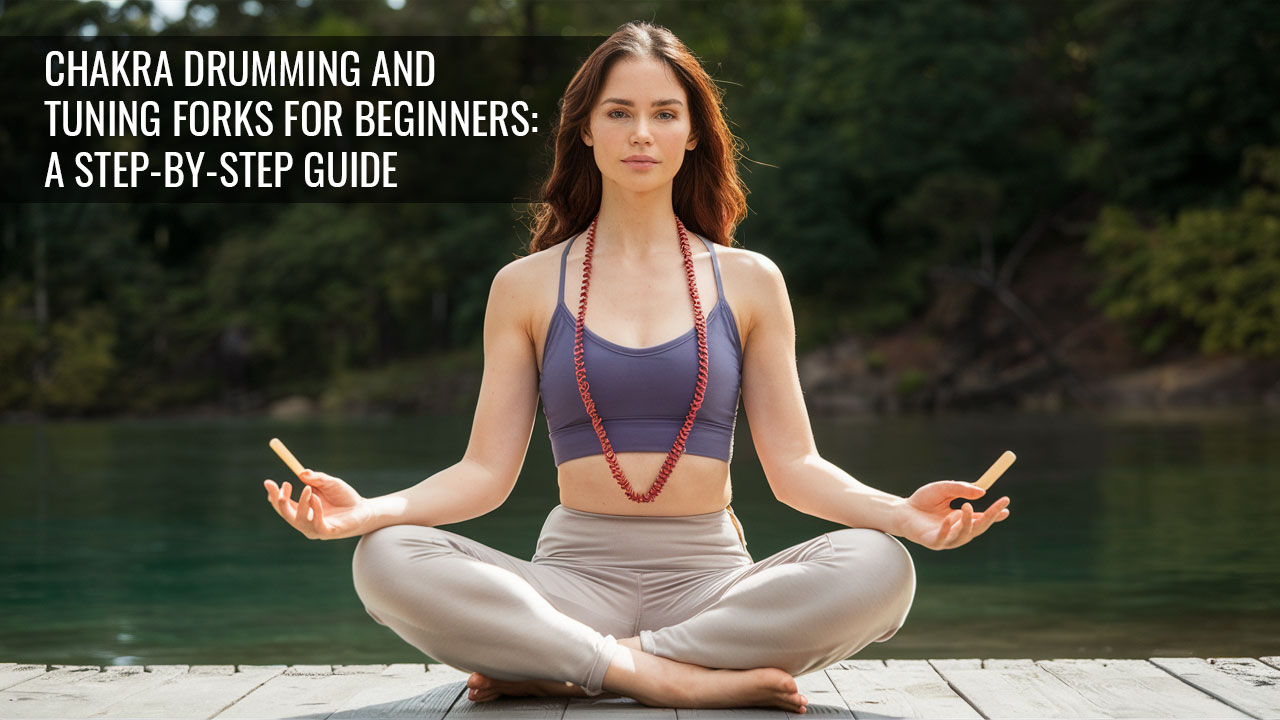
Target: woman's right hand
{"points": [[329, 509]]}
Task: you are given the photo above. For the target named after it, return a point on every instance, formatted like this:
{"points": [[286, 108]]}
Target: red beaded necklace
{"points": [[700, 325]]}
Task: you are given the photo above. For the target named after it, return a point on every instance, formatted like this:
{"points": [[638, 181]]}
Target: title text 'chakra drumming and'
{"points": [[237, 68]]}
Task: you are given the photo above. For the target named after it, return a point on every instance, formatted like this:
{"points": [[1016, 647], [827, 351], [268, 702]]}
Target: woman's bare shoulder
{"points": [[530, 271], [744, 273], [744, 260], [528, 278]]}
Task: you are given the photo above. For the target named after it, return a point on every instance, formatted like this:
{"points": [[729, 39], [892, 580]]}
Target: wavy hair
{"points": [[707, 193]]}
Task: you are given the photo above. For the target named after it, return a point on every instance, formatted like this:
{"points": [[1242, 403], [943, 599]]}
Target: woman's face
{"points": [[642, 111]]}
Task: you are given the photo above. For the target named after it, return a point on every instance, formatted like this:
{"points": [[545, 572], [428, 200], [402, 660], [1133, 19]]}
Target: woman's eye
{"points": [[670, 115]]}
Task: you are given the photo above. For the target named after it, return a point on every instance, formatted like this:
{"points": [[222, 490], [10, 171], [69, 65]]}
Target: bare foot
{"points": [[661, 682], [482, 688], [758, 687]]}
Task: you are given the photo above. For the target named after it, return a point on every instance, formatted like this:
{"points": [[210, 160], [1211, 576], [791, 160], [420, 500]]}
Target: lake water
{"points": [[151, 542]]}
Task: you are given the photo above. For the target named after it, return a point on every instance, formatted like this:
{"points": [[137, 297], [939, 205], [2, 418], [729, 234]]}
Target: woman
{"points": [[641, 585]]}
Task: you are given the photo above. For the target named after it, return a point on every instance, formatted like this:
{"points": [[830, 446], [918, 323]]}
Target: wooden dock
{"points": [[1069, 688]]}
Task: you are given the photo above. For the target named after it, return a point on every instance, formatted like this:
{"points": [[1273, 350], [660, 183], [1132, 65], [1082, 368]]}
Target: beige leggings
{"points": [[685, 585]]}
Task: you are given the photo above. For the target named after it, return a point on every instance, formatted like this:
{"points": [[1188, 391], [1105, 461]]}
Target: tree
{"points": [[1212, 274]]}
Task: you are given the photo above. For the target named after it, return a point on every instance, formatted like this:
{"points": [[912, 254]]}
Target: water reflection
{"points": [[151, 542]]}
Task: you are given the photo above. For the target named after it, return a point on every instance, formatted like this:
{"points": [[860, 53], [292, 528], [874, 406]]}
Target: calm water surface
{"points": [[153, 543]]}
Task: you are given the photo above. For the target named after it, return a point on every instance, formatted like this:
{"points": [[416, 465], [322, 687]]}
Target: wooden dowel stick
{"points": [[997, 469], [286, 456]]}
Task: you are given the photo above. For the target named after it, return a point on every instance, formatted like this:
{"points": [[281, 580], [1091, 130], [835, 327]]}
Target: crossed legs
{"points": [[511, 621], [480, 609], [800, 609]]}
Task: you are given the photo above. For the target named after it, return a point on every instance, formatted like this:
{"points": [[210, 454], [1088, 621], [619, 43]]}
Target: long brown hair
{"points": [[707, 193]]}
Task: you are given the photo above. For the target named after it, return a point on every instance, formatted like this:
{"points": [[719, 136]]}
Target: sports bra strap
{"points": [[564, 257], [715, 265]]}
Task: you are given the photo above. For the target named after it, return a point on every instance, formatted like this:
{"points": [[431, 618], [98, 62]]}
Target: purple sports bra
{"points": [[642, 394]]}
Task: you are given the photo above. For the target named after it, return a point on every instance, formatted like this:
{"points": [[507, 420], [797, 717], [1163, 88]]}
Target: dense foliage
{"points": [[883, 139], [1211, 269]]}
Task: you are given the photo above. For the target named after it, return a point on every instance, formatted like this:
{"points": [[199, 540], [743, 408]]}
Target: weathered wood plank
{"points": [[859, 665], [311, 692], [405, 691], [825, 700], [309, 670], [1000, 688], [199, 691], [430, 704], [79, 691], [447, 673], [13, 673], [373, 669], [524, 708], [1163, 687], [615, 708], [748, 713], [1136, 688], [1243, 683], [897, 688]]}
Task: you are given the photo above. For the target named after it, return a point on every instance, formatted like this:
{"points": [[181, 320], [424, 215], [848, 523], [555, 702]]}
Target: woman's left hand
{"points": [[927, 518]]}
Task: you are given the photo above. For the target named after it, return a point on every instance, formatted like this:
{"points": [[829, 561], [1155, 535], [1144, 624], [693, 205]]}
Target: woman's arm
{"points": [[503, 423], [460, 492], [780, 429], [798, 475]]}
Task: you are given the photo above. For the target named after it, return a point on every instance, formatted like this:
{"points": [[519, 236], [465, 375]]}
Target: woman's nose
{"points": [[642, 131]]}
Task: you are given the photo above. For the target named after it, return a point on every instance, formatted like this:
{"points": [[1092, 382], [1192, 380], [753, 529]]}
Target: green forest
{"points": [[994, 180]]}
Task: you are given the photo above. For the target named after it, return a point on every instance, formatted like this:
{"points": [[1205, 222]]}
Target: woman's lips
{"points": [[639, 163]]}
